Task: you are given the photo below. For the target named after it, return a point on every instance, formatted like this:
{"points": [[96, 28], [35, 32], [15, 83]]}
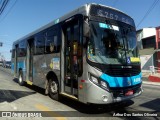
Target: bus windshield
{"points": [[112, 43]]}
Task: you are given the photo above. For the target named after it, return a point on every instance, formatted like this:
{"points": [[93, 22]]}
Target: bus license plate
{"points": [[129, 92]]}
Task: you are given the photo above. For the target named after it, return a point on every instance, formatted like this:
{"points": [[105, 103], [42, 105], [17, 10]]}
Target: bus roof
{"points": [[84, 10]]}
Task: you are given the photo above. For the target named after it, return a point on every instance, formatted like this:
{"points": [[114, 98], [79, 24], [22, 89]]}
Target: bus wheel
{"points": [[20, 78], [54, 90]]}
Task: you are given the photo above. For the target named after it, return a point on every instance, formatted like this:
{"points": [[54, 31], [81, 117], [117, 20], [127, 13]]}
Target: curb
{"points": [[151, 83], [153, 78]]}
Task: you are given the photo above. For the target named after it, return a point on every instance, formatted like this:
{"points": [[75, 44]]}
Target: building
{"points": [[146, 41], [158, 47], [146, 38], [158, 37]]}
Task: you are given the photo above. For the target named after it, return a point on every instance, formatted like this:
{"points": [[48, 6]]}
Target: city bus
{"points": [[89, 55]]}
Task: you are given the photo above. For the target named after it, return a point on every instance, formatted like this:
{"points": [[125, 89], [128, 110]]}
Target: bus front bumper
{"points": [[119, 99], [97, 95]]}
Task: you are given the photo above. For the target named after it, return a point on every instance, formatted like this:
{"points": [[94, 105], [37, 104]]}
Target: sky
{"points": [[24, 16]]}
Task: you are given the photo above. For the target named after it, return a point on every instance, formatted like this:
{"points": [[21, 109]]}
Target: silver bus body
{"points": [[32, 63]]}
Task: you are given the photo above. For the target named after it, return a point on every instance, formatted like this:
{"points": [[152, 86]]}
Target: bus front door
{"points": [[30, 47], [71, 58]]}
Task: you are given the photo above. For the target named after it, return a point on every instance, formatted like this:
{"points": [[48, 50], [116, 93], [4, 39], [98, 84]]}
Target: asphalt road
{"points": [[32, 99]]}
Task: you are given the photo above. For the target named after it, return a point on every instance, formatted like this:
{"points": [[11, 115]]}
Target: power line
{"points": [[149, 10], [9, 10], [4, 4]]}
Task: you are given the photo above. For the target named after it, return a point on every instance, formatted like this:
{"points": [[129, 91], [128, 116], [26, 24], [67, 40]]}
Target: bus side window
{"points": [[22, 50], [51, 42], [39, 44], [13, 53], [56, 44]]}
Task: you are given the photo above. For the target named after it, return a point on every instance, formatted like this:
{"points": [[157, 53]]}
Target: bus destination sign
{"points": [[111, 14]]}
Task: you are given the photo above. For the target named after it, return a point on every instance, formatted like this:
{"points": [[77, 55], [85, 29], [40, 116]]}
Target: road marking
{"points": [[45, 108]]}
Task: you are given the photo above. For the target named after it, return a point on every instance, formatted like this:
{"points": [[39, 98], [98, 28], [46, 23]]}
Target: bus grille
{"points": [[125, 72], [120, 92]]}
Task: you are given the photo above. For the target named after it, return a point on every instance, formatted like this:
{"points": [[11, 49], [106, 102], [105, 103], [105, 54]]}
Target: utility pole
{"points": [[1, 44]]}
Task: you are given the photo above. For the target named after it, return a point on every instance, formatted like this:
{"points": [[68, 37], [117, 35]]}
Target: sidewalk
{"points": [[149, 78]]}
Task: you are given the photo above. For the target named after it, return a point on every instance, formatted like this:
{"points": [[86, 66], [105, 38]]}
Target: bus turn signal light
{"points": [[80, 86]]}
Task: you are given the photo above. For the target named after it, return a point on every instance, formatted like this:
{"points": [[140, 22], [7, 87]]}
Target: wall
{"points": [[144, 34], [149, 42], [139, 39], [147, 32], [158, 38], [146, 62]]}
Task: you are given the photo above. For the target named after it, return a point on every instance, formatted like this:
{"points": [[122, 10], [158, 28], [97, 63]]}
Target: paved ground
{"points": [[27, 98]]}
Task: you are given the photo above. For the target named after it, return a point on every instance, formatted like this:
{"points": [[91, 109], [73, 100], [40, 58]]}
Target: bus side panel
{"points": [[53, 64], [82, 91], [12, 66], [39, 66], [42, 65], [21, 65]]}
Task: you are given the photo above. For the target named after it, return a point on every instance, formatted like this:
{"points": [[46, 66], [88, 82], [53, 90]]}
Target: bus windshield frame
{"points": [[112, 42]]}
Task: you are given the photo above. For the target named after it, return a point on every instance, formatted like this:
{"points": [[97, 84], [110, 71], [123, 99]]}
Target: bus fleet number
{"points": [[112, 16]]}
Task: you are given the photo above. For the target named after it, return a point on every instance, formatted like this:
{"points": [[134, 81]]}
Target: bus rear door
{"points": [[30, 52]]}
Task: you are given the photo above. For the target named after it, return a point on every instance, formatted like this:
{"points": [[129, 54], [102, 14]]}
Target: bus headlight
{"points": [[99, 82], [94, 79], [103, 84]]}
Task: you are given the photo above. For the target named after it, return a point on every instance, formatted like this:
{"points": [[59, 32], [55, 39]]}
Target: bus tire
{"points": [[54, 89], [20, 78]]}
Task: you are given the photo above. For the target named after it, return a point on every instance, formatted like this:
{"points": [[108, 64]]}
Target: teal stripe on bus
{"points": [[21, 64], [122, 81]]}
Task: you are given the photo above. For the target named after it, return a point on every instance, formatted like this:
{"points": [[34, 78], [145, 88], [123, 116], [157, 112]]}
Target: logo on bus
{"points": [[137, 80], [129, 83], [128, 60]]}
